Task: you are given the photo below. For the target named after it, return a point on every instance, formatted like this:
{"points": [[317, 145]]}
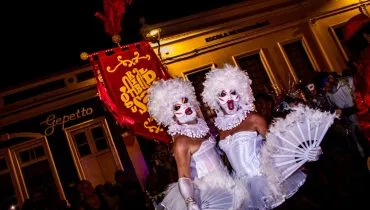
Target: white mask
{"points": [[184, 111], [310, 87], [229, 101]]}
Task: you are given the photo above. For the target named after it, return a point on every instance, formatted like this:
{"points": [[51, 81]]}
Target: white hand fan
{"points": [[293, 141], [215, 198]]}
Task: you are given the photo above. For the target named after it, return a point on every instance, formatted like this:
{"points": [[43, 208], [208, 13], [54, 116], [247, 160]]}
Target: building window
{"points": [[99, 138], [253, 65], [81, 143], [93, 151], [8, 194], [36, 170], [197, 77], [338, 36], [37, 173], [298, 59], [90, 140], [32, 155]]}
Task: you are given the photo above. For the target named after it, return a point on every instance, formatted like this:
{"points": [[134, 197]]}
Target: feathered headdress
{"points": [[164, 94], [229, 77]]}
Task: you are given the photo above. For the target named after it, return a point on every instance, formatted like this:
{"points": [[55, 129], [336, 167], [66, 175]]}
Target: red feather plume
{"points": [[113, 15]]}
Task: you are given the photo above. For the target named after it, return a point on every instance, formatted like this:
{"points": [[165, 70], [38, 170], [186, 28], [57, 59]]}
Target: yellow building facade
{"points": [[278, 42]]}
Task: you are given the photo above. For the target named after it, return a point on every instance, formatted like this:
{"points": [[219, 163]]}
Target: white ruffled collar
{"points": [[228, 122], [198, 130]]}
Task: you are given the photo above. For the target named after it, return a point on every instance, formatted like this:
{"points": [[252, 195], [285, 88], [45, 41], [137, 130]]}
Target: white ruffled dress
{"points": [[243, 152], [214, 187]]}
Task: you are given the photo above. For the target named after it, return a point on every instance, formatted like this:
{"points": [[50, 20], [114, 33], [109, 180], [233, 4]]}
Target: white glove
{"points": [[313, 154], [186, 190]]}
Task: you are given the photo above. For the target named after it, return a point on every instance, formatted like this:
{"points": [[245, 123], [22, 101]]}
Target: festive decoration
{"points": [[123, 76], [116, 39], [84, 56], [112, 18]]}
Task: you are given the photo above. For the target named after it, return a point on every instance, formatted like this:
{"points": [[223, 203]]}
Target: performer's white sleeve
{"points": [[187, 192]]}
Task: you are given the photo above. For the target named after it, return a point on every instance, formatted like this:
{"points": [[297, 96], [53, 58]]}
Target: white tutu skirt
{"points": [[264, 194], [213, 191]]}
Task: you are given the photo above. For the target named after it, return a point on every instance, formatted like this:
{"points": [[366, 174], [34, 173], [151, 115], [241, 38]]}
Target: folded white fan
{"points": [[293, 141], [215, 198]]}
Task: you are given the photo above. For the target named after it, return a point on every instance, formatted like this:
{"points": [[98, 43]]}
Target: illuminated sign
{"points": [[237, 31], [53, 120]]}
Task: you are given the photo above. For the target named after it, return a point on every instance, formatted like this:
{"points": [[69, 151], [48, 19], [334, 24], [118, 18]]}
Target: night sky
{"points": [[42, 38]]}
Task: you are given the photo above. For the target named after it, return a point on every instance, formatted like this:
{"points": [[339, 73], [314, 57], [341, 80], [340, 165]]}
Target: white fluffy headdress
{"points": [[229, 77], [164, 94]]}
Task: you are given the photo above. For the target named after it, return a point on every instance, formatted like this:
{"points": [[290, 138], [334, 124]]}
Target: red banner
{"points": [[124, 75]]}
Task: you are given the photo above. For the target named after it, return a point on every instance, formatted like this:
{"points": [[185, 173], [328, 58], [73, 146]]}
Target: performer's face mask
{"points": [[229, 101], [184, 111], [311, 87]]}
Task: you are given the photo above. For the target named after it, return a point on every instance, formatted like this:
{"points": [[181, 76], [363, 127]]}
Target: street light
{"points": [[154, 35]]}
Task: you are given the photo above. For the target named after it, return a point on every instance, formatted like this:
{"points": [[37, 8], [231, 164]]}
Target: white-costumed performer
{"points": [[204, 182], [242, 132]]}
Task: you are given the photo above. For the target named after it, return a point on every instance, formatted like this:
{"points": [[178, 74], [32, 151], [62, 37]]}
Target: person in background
{"points": [[130, 192], [90, 199], [106, 193], [340, 95], [338, 172], [162, 173], [316, 97], [351, 74]]}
